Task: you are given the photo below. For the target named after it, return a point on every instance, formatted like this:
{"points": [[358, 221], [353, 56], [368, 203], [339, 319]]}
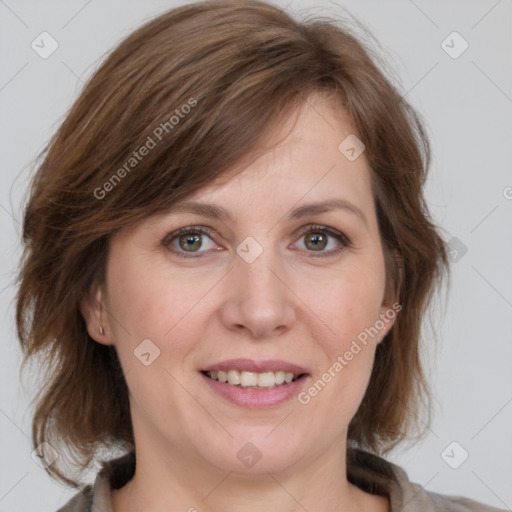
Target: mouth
{"points": [[254, 380], [255, 384]]}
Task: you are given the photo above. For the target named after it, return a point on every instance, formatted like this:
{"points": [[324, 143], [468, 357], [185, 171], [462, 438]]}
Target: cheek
{"points": [[349, 307], [152, 302], [149, 300], [349, 301]]}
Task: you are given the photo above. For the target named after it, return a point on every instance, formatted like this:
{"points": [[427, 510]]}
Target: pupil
{"points": [[190, 239], [317, 240]]}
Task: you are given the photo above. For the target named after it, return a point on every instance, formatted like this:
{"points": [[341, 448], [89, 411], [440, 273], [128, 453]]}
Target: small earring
{"points": [[102, 332]]}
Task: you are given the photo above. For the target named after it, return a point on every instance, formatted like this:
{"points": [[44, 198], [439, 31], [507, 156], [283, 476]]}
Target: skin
{"points": [[290, 303]]}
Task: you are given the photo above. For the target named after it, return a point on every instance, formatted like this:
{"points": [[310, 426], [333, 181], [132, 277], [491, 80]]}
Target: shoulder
{"points": [[376, 475], [80, 502], [97, 497], [415, 497], [434, 502]]}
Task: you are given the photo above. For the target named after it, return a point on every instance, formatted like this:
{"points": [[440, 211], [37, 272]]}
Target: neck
{"points": [[175, 478]]}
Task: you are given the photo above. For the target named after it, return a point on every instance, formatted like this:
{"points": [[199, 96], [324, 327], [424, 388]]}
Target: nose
{"points": [[258, 299]]}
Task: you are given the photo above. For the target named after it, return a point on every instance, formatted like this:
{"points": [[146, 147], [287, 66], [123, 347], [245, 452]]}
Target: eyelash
{"points": [[316, 229]]}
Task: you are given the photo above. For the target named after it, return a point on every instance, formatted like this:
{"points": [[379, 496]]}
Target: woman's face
{"points": [[272, 281]]}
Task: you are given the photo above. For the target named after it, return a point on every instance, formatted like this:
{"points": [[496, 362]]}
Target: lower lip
{"points": [[256, 398]]}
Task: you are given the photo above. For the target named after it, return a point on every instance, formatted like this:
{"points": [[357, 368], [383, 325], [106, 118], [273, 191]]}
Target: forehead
{"points": [[298, 165], [304, 156]]}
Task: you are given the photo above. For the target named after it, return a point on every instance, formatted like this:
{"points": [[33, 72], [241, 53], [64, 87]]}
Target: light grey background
{"points": [[467, 105]]}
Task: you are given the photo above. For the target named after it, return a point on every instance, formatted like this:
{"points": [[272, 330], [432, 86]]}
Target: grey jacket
{"points": [[368, 471]]}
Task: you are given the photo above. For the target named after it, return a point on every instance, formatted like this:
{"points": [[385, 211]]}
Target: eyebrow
{"points": [[221, 213]]}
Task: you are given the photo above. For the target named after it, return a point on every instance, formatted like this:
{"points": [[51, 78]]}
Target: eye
{"points": [[192, 241], [317, 238], [186, 242]]}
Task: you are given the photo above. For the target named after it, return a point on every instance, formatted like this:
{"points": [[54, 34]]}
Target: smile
{"points": [[251, 396], [253, 380]]}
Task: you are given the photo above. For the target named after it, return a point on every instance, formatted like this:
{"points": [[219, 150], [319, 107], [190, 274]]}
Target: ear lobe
{"points": [[93, 312], [387, 318]]}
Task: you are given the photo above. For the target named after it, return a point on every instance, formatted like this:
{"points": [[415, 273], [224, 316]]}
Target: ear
{"points": [[387, 318], [391, 305], [95, 315]]}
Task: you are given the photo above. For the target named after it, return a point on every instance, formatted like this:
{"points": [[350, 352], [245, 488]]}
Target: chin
{"points": [[258, 451]]}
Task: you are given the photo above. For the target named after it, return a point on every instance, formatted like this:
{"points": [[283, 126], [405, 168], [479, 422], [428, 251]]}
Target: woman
{"points": [[228, 258]]}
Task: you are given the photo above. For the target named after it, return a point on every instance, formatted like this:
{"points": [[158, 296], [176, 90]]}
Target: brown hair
{"points": [[210, 78]]}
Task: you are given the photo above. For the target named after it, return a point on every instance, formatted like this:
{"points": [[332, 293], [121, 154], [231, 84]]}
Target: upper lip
{"points": [[249, 365]]}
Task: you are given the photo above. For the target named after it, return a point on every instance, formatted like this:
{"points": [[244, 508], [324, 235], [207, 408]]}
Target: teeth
{"points": [[247, 378], [234, 378], [252, 379], [266, 380], [279, 376]]}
